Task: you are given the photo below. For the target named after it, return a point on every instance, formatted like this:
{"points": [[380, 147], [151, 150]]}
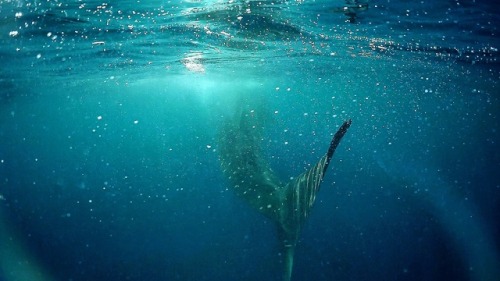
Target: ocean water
{"points": [[110, 115]]}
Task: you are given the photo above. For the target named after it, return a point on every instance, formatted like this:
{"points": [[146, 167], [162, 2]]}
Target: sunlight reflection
{"points": [[194, 62]]}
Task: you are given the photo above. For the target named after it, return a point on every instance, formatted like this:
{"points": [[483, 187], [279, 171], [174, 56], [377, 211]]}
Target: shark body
{"points": [[251, 178]]}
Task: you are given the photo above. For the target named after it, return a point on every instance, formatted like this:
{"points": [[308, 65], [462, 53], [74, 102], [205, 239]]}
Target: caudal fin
{"points": [[299, 198], [252, 179]]}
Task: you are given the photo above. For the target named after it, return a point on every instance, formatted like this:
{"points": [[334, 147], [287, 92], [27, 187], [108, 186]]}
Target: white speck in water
{"points": [[269, 206], [38, 56], [209, 146], [99, 117], [136, 121], [19, 14]]}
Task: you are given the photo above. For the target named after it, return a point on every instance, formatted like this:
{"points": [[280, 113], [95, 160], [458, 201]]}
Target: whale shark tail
{"points": [[300, 194], [252, 179]]}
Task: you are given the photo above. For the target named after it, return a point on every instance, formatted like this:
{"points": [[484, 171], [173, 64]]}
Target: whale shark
{"points": [[252, 179]]}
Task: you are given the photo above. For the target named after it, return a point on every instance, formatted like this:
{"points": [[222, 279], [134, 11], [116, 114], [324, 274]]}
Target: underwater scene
{"points": [[249, 140]]}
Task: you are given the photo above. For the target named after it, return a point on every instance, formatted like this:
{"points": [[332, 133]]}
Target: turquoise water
{"points": [[109, 121]]}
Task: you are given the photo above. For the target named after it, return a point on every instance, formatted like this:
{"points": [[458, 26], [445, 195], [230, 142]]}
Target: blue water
{"points": [[109, 121]]}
